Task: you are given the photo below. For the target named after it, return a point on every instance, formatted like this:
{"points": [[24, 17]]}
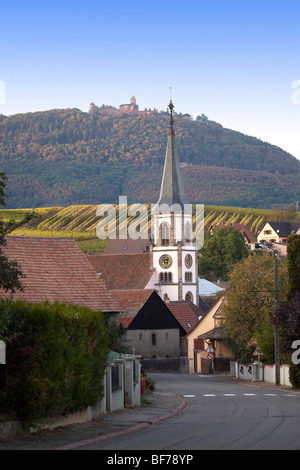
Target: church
{"points": [[155, 282], [174, 254]]}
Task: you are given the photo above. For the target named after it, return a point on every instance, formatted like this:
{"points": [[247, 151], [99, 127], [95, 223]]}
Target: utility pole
{"points": [[276, 329]]}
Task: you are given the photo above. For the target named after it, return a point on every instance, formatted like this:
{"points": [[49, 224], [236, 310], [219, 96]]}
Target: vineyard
{"points": [[80, 221]]}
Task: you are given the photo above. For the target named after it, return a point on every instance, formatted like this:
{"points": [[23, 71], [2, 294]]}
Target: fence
{"points": [[259, 372]]}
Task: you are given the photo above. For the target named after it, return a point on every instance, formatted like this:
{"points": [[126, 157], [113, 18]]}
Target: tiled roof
{"points": [[186, 313], [131, 301], [122, 271], [129, 245], [57, 270]]}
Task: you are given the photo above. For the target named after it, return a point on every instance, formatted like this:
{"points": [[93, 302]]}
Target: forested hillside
{"points": [[64, 157]]}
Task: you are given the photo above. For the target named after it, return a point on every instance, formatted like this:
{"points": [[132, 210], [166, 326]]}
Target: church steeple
{"points": [[172, 190], [173, 252]]}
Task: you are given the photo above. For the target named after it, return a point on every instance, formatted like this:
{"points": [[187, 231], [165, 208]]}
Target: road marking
{"points": [[188, 396], [209, 395], [270, 394], [249, 394], [229, 394]]}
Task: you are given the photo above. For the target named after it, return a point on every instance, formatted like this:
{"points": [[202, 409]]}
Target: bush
{"points": [[295, 375], [55, 361]]}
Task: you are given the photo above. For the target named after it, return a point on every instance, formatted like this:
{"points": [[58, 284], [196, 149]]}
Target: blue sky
{"points": [[234, 60]]}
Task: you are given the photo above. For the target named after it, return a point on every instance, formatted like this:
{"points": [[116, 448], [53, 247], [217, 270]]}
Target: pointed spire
{"points": [[171, 107], [172, 190]]}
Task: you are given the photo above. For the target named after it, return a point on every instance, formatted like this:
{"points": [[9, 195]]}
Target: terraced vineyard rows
{"points": [[80, 221]]}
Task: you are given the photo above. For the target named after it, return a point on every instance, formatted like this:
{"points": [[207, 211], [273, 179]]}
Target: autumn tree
{"points": [[249, 303]]}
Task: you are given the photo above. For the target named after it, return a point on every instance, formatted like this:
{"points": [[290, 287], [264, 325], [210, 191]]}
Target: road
{"points": [[222, 415]]}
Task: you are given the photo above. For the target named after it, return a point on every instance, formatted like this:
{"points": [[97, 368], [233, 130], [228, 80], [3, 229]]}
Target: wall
{"points": [[259, 372], [167, 343]]}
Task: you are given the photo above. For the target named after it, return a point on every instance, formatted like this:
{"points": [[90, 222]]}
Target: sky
{"points": [[236, 61]]}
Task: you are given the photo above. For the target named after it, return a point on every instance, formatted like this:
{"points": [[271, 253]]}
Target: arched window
{"points": [[188, 232], [189, 297], [164, 233]]}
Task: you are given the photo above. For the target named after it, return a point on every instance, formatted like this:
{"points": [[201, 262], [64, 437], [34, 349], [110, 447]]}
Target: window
{"points": [[189, 297], [153, 339], [188, 277], [166, 277], [165, 233], [188, 232], [267, 232]]}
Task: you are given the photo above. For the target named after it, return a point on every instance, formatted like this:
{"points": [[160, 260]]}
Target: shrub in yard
{"points": [[56, 356]]}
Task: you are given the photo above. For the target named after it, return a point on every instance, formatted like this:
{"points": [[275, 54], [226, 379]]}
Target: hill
{"points": [[64, 157]]}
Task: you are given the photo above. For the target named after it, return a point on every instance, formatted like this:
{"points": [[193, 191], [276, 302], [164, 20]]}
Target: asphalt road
{"points": [[222, 415]]}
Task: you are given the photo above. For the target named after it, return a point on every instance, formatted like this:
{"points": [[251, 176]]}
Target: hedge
{"points": [[55, 359]]}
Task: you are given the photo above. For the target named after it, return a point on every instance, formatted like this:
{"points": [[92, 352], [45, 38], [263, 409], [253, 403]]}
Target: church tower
{"points": [[174, 253]]}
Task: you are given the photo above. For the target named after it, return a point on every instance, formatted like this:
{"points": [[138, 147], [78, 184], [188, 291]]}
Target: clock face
{"points": [[165, 261], [188, 261]]}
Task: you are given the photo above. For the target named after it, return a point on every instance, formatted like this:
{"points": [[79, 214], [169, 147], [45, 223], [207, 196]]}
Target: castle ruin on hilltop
{"points": [[131, 108]]}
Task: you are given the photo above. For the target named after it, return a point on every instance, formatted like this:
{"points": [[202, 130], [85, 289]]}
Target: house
{"points": [[208, 333], [56, 270], [249, 237], [152, 331], [276, 233]]}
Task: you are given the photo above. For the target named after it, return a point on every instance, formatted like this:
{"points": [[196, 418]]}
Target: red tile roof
{"points": [[131, 301], [57, 270], [186, 313], [122, 271]]}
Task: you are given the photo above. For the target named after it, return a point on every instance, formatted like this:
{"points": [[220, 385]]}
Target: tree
{"points": [[222, 248], [288, 316], [250, 298], [10, 271], [293, 257]]}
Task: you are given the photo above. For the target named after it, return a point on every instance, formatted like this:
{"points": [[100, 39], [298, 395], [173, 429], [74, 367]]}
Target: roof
{"points": [[57, 270], [284, 229], [131, 301], [172, 189], [119, 246], [145, 309], [216, 333], [241, 228], [186, 313], [122, 271], [207, 288]]}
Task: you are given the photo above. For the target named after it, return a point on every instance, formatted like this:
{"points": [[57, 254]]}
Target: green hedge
{"points": [[55, 358]]}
